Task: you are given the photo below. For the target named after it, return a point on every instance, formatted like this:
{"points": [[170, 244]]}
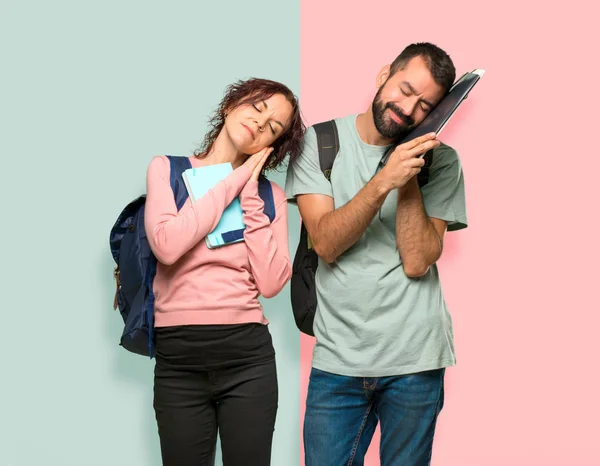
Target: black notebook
{"points": [[437, 119]]}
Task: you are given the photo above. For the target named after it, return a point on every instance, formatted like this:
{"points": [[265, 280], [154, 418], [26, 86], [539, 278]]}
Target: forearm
{"points": [[267, 242], [418, 242], [338, 230]]}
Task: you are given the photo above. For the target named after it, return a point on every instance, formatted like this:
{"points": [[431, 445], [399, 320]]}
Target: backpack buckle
{"points": [[117, 277]]}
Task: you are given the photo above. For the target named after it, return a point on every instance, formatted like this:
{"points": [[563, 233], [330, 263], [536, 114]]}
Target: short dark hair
{"points": [[253, 91], [438, 61]]}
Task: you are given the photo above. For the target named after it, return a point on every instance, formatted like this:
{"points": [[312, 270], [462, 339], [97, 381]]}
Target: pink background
{"points": [[521, 281]]}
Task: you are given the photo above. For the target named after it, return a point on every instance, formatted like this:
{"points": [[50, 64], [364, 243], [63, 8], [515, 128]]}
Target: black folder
{"points": [[437, 119]]}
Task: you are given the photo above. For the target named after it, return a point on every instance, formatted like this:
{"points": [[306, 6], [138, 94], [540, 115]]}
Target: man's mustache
{"points": [[400, 114]]}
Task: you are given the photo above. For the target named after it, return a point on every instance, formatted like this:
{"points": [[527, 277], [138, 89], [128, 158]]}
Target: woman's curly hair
{"points": [[253, 91]]}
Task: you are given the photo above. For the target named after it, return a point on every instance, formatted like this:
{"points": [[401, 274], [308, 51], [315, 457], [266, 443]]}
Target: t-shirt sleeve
{"points": [[444, 194], [304, 175]]}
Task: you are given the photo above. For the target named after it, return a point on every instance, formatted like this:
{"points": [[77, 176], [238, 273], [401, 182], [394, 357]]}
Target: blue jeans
{"points": [[342, 413]]}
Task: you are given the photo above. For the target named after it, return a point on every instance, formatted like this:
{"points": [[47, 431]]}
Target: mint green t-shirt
{"points": [[372, 320]]}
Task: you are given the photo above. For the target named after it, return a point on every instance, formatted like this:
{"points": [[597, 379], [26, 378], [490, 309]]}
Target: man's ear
{"points": [[383, 75]]}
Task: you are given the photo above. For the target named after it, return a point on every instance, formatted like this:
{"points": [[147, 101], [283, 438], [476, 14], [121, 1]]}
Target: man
{"points": [[383, 332]]}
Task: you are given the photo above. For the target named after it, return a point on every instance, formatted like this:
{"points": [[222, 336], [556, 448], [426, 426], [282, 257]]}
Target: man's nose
{"points": [[408, 106]]}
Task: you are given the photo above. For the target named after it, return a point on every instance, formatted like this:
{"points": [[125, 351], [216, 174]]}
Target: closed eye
{"points": [[260, 111]]}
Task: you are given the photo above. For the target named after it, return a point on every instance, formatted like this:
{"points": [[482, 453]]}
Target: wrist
{"points": [[381, 185], [409, 198], [410, 189]]}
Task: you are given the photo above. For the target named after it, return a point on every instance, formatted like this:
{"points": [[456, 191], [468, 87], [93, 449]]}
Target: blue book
{"points": [[231, 226]]}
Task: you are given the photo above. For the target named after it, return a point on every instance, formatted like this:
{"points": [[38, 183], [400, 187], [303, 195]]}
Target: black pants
{"points": [[211, 379]]}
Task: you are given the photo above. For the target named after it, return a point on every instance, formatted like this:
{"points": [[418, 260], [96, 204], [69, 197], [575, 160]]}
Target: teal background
{"points": [[90, 92]]}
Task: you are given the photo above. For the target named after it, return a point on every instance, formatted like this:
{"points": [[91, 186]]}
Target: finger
{"points": [[260, 162], [259, 165], [257, 157], [415, 142], [254, 159], [423, 147], [266, 155], [415, 163]]}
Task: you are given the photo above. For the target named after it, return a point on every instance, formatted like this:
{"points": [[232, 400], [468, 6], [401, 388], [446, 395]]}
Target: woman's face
{"points": [[252, 127]]}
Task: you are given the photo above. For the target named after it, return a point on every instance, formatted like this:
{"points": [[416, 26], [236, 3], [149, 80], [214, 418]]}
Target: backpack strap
{"points": [[423, 175], [328, 145], [179, 164], [265, 191]]}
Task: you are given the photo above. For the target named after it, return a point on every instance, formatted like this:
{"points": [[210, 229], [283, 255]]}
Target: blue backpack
{"points": [[136, 264]]}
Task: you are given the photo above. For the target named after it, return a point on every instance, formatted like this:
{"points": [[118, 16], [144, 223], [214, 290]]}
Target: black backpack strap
{"points": [[302, 286], [328, 144], [423, 176]]}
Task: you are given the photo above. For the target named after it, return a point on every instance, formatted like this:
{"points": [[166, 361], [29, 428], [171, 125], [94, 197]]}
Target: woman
{"points": [[215, 362]]}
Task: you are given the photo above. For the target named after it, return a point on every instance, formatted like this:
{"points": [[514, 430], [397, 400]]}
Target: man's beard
{"points": [[387, 127]]}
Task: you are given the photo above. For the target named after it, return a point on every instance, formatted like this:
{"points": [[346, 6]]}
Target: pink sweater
{"points": [[198, 285]]}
